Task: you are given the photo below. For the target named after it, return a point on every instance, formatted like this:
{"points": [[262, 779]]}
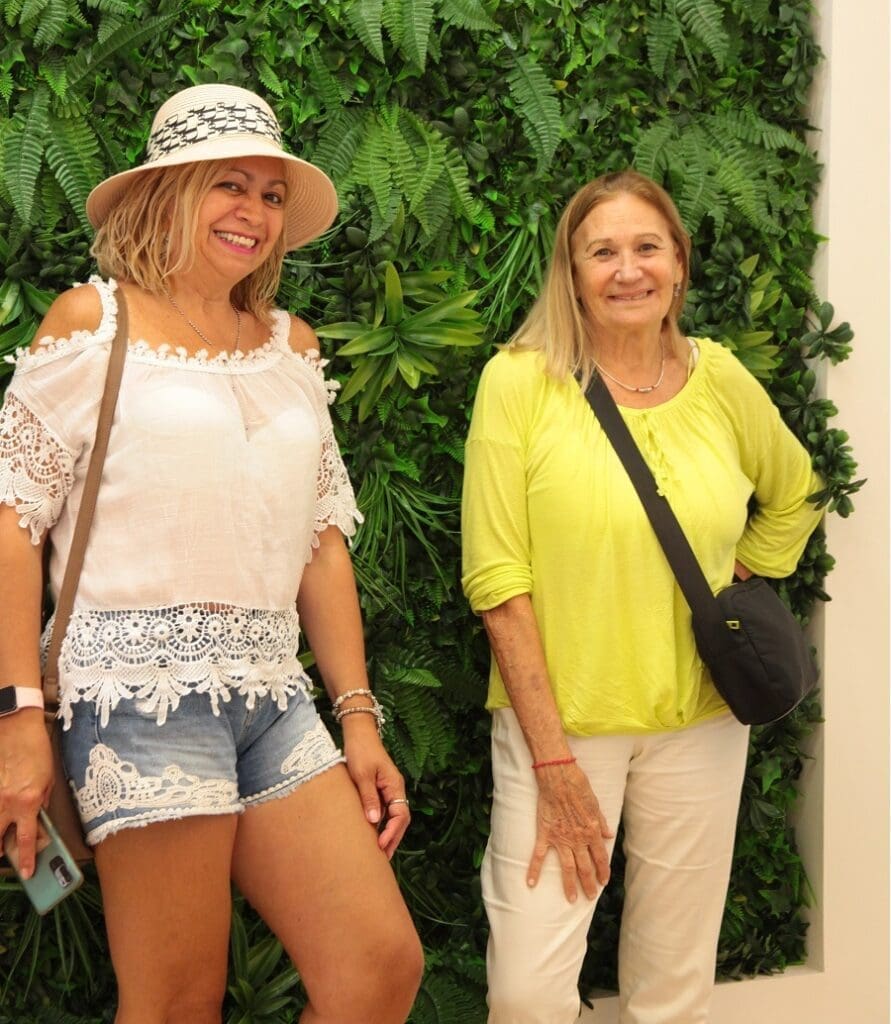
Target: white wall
{"points": [[844, 823]]}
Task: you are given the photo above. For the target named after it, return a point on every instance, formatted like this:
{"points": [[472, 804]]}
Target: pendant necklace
{"points": [[228, 364], [198, 330], [644, 389]]}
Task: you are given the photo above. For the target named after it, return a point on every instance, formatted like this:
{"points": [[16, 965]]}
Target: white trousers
{"points": [[678, 796]]}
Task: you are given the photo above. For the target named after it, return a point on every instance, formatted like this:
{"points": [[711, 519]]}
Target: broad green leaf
{"points": [[341, 331], [379, 340], [438, 311], [439, 337], [410, 373], [395, 309]]}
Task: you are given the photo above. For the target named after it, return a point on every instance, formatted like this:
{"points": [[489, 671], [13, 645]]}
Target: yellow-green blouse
{"points": [[549, 510]]}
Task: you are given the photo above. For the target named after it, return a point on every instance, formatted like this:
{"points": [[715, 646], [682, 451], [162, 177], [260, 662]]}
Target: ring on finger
{"points": [[398, 800]]}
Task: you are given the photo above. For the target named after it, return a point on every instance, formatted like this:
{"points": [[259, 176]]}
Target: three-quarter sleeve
{"points": [[335, 498], [48, 419], [36, 468], [496, 552], [780, 469]]}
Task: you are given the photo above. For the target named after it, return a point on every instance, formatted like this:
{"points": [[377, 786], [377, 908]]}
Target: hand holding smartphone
{"points": [[56, 873]]}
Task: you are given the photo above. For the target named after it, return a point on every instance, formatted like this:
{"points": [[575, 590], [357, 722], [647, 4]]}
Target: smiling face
{"points": [[625, 266], [241, 217]]}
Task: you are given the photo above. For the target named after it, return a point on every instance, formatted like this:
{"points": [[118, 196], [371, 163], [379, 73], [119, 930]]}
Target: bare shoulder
{"points": [[302, 337], [78, 309]]}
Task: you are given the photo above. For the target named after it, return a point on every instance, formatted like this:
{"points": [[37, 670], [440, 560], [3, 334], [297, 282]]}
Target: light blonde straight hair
{"points": [[555, 325], [158, 216]]}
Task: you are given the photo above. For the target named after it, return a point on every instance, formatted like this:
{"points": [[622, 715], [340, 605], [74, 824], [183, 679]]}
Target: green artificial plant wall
{"points": [[455, 130]]}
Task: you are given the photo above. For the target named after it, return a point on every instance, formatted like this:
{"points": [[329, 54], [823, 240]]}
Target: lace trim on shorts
{"points": [[314, 752], [156, 656], [111, 784], [36, 470]]}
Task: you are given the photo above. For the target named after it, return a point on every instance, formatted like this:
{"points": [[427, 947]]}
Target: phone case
{"points": [[56, 873]]}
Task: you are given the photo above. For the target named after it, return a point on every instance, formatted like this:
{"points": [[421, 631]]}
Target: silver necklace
{"points": [[644, 389], [198, 330]]}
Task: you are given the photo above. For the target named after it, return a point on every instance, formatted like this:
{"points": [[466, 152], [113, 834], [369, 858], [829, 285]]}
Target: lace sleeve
{"points": [[36, 469], [335, 500]]}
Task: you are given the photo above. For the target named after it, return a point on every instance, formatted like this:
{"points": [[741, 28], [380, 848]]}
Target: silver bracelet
{"points": [[376, 711]]}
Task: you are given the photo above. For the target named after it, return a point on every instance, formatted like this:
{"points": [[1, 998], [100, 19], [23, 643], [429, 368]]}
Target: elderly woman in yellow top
{"points": [[601, 706], [191, 739]]}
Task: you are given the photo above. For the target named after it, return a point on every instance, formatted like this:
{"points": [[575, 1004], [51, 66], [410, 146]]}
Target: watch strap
{"points": [[14, 698]]}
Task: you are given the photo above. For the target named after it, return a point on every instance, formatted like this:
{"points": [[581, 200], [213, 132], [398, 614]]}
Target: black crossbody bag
{"points": [[755, 650]]}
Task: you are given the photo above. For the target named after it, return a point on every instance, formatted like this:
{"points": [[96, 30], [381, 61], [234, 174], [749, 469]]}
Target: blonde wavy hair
{"points": [[158, 216], [554, 325]]}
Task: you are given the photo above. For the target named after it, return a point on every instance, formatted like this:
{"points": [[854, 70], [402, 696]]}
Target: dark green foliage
{"points": [[456, 130]]}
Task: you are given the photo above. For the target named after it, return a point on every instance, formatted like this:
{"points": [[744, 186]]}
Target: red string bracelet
{"points": [[556, 760]]}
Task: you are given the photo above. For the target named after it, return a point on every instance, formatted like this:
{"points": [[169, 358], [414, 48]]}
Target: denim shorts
{"points": [[133, 771]]}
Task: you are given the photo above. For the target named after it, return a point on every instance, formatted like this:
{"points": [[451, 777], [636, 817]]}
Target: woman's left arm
{"points": [[328, 606], [777, 531]]}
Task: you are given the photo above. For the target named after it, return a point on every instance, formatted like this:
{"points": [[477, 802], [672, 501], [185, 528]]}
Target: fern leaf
{"points": [[372, 166], [445, 1000], [71, 154], [747, 126], [52, 22], [269, 78], [365, 17], [121, 8], [417, 18], [538, 107], [52, 70], [427, 155], [415, 677], [23, 147], [326, 84], [746, 193], [11, 10], [338, 144], [704, 20], [698, 193], [394, 21], [109, 24], [417, 727], [31, 10], [435, 211], [759, 13], [6, 85], [382, 220], [459, 186], [663, 33], [467, 14], [649, 157], [127, 37]]}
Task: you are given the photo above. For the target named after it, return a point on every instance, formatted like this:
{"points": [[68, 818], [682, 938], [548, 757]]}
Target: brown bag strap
{"points": [[65, 603]]}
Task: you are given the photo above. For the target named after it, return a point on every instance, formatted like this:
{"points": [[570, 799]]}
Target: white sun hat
{"points": [[224, 122]]}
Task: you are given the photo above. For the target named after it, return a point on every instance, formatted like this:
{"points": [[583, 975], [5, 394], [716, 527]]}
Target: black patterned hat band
{"points": [[224, 122]]}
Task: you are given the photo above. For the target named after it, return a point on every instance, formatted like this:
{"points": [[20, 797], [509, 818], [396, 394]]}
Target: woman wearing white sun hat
{"points": [[190, 738]]}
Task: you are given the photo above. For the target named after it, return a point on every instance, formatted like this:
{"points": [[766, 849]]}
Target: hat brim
{"points": [[312, 197]]}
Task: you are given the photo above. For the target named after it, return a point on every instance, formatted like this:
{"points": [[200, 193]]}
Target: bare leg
{"points": [[310, 865], [166, 893]]}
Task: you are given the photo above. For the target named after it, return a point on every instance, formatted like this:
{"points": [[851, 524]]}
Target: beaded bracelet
{"points": [[556, 760], [375, 708], [352, 693]]}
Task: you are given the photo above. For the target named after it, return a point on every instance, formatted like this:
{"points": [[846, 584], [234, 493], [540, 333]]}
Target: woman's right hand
{"points": [[26, 778], [570, 821]]}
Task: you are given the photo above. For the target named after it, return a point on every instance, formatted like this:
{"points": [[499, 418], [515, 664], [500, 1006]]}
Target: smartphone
{"points": [[56, 874]]}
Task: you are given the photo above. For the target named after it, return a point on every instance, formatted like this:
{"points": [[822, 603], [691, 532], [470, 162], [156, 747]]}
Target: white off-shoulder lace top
{"points": [[220, 473]]}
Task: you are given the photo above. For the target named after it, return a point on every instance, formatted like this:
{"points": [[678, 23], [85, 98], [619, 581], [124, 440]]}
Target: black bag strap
{"points": [[691, 579]]}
